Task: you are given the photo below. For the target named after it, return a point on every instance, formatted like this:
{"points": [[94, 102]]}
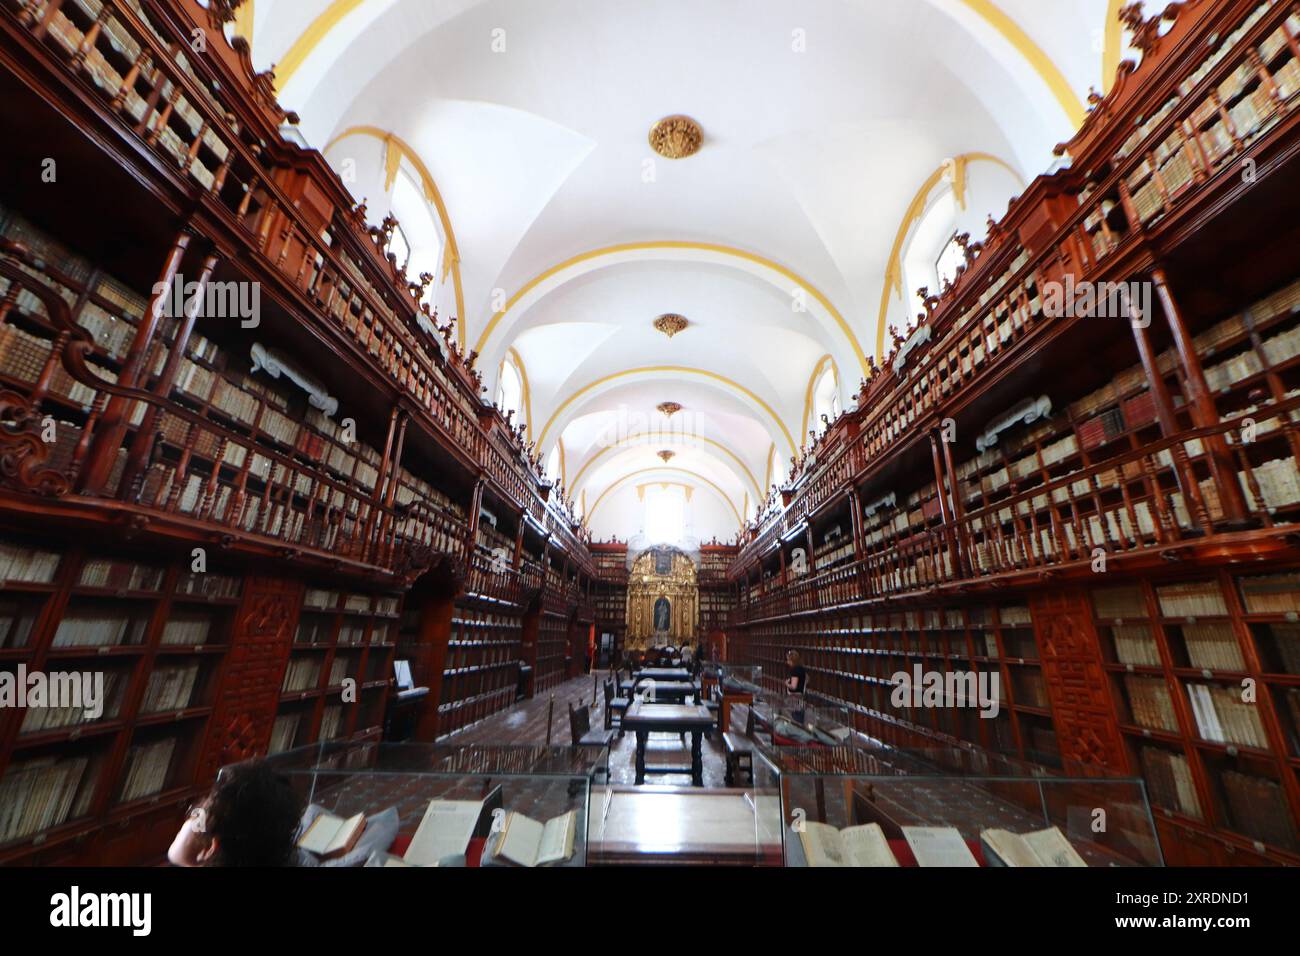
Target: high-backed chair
{"points": [[580, 729]]}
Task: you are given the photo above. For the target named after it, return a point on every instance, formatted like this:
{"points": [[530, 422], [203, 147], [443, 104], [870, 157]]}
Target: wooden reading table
{"points": [[643, 719]]}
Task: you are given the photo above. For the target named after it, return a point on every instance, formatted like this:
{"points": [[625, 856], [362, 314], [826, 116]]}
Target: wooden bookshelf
{"points": [[320, 510], [1091, 553]]}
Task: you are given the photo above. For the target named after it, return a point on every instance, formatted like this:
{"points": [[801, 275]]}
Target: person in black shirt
{"points": [[796, 683]]}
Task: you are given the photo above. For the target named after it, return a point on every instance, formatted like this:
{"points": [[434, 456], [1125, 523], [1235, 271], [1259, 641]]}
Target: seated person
{"points": [[688, 655], [249, 818]]}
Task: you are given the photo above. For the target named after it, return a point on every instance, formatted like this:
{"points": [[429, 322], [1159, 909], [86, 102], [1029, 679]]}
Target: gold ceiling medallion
{"points": [[669, 409], [671, 323], [676, 137], [667, 456]]}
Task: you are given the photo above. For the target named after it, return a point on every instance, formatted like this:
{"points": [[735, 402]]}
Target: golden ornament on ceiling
{"points": [[671, 323], [669, 409], [667, 456], [676, 137]]}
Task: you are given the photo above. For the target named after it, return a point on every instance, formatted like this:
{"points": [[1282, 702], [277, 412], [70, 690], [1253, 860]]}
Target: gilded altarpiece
{"points": [[662, 589]]}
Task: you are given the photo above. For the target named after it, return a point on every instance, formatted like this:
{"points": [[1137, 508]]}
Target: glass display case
{"points": [[740, 679], [944, 799], [436, 804], [633, 825]]}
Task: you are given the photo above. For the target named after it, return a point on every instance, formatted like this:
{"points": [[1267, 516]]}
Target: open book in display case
{"points": [[956, 806]]}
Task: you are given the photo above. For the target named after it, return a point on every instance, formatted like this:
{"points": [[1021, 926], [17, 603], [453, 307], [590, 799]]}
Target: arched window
{"points": [[932, 256], [826, 397], [417, 242], [554, 466], [510, 391], [665, 514]]}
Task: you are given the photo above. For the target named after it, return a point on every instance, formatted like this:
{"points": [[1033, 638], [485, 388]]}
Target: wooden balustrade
{"points": [[1120, 508], [200, 474]]}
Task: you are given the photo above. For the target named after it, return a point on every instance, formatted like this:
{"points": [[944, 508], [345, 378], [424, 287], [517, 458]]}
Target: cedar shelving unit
{"points": [[318, 527], [1098, 472]]}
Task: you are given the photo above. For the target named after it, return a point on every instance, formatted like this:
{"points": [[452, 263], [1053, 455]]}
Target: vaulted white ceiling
{"points": [[822, 121]]}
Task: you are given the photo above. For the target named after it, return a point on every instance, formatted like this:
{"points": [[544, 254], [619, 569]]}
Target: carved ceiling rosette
{"points": [[670, 323], [676, 137], [668, 409]]}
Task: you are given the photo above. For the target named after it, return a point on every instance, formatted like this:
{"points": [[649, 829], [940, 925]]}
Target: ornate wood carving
{"points": [[259, 649], [23, 451], [1076, 683]]}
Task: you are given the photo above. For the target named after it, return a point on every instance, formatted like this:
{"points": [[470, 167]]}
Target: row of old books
{"points": [[121, 575], [1119, 604], [331, 722], [284, 731], [1212, 646], [1268, 594], [1222, 716], [27, 565], [187, 628], [1279, 484], [98, 627], [1170, 782], [1150, 702], [170, 688], [303, 673], [146, 769], [1191, 599], [1135, 644], [17, 620], [207, 585], [43, 792], [339, 670], [37, 719]]}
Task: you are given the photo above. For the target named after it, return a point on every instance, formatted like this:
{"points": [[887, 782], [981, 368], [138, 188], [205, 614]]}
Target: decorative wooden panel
{"points": [[1076, 683], [263, 634]]}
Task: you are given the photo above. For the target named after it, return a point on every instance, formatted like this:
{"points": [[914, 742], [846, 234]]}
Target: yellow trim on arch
{"points": [[631, 439], [1114, 47], [812, 384], [451, 255], [1042, 64], [680, 471], [676, 369], [766, 263], [564, 467], [767, 482], [311, 38], [244, 21], [894, 270]]}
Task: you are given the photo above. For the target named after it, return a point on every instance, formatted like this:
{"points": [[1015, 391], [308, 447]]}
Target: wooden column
{"points": [[956, 555], [1168, 421], [1204, 412], [142, 444], [112, 426]]}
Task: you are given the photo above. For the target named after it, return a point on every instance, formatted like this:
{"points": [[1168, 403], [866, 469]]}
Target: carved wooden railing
{"points": [[832, 477], [201, 475], [492, 578], [1130, 504]]}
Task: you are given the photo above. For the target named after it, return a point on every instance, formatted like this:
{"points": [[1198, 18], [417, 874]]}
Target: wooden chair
{"points": [[615, 707], [581, 732], [580, 729], [740, 752]]}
